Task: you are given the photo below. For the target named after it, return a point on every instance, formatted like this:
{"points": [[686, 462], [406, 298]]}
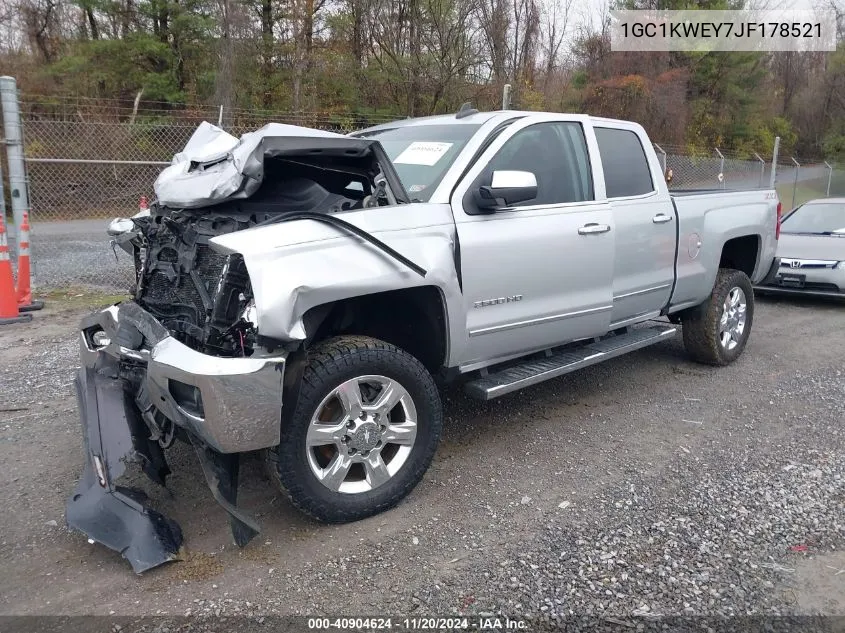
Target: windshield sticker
{"points": [[423, 153], [415, 188]]}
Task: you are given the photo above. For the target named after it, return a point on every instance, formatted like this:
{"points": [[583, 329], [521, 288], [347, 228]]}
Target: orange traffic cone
{"points": [[8, 300], [25, 302]]}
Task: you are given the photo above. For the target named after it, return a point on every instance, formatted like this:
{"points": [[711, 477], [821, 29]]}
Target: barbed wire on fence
{"points": [[91, 160]]}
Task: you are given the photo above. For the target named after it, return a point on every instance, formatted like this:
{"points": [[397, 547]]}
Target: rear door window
{"points": [[626, 170]]}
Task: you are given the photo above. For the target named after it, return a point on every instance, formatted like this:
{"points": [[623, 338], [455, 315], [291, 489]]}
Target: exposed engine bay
{"points": [[203, 297], [186, 358]]}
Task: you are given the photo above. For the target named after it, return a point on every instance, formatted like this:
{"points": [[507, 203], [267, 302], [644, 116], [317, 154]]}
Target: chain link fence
{"points": [[89, 161], [796, 184], [795, 181], [718, 170]]}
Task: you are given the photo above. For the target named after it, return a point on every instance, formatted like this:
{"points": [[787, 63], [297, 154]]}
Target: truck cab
{"points": [[566, 229]]}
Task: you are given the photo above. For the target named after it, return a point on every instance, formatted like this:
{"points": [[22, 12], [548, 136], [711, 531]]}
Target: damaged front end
{"points": [[185, 358], [138, 389]]}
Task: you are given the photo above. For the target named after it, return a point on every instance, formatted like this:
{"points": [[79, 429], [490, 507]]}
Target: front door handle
{"points": [[592, 227], [661, 218]]}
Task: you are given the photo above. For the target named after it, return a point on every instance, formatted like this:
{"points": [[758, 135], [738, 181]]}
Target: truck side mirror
{"points": [[506, 189]]}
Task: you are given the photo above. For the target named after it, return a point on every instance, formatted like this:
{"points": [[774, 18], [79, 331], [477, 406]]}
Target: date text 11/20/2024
{"points": [[475, 623]]}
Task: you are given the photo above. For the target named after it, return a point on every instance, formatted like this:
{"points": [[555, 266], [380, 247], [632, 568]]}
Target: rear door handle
{"points": [[592, 227], [661, 218]]}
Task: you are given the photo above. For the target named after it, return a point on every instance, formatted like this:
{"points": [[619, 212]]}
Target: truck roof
{"points": [[476, 118]]}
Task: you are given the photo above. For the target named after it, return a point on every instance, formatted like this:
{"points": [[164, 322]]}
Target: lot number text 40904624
{"points": [[460, 623]]}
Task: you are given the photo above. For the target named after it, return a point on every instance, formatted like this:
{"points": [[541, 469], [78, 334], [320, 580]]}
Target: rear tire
{"points": [[716, 332], [364, 430]]}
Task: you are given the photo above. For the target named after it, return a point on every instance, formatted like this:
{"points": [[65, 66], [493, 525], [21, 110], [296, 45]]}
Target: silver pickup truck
{"points": [[303, 294]]}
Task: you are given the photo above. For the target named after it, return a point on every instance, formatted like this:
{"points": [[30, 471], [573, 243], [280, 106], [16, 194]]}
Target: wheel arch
{"points": [[742, 253], [414, 319]]}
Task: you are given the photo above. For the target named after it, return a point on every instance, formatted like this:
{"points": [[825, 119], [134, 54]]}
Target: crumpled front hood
{"points": [[215, 166], [827, 247]]}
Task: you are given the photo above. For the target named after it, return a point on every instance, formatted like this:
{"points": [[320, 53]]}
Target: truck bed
{"points": [[680, 193], [721, 227]]}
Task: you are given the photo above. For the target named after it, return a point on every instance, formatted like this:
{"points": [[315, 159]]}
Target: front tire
{"points": [[364, 430], [716, 332]]}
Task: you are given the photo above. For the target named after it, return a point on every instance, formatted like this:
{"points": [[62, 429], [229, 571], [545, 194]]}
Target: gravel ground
{"points": [[77, 253], [647, 486]]}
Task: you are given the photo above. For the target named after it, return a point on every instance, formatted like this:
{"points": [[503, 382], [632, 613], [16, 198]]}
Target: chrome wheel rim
{"points": [[361, 434], [732, 323]]}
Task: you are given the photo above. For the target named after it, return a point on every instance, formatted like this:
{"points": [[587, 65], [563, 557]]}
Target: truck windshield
{"points": [[827, 218], [421, 154]]}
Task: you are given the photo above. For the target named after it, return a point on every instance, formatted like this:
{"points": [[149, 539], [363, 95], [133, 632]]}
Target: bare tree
{"points": [[357, 11], [223, 89], [494, 18], [41, 22], [511, 30], [423, 47], [390, 24], [554, 30], [304, 18], [451, 42], [267, 16]]}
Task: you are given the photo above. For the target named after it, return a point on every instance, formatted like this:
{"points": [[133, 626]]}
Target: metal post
{"points": [[762, 170], [663, 152], [506, 97], [3, 199], [14, 149], [795, 182], [826, 164], [220, 117], [774, 163], [721, 167]]}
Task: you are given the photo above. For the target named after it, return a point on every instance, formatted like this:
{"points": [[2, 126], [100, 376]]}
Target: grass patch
{"points": [[78, 297], [803, 193]]}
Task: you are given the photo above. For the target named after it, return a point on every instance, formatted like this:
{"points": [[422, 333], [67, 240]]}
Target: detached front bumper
{"points": [[131, 368]]}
